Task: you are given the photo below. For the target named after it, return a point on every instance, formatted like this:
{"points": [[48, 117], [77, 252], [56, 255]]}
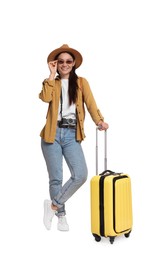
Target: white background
{"points": [[119, 42]]}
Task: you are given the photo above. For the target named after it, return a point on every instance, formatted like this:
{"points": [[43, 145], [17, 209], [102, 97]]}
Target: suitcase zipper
{"points": [[101, 204]]}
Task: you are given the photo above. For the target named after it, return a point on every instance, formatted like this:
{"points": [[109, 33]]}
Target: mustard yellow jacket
{"points": [[50, 93]]}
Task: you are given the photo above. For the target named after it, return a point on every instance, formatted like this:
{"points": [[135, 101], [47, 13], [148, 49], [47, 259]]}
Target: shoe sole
{"points": [[64, 230]]}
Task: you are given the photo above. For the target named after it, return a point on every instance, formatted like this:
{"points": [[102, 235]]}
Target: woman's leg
{"points": [[53, 157], [67, 146], [75, 160]]}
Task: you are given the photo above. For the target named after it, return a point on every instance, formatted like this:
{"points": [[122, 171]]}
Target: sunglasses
{"points": [[60, 62]]}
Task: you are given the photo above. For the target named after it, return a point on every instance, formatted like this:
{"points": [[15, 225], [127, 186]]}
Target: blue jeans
{"points": [[65, 145]]}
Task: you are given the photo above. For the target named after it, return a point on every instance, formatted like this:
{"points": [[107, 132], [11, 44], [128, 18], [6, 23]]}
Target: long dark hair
{"points": [[72, 81]]}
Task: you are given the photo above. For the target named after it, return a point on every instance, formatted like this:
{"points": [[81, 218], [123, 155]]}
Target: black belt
{"points": [[67, 123]]}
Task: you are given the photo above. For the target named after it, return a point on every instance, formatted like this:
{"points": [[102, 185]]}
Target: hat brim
{"points": [[76, 54]]}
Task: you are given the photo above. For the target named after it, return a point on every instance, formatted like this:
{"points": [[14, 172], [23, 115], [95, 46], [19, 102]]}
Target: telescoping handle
{"points": [[106, 172], [105, 150]]}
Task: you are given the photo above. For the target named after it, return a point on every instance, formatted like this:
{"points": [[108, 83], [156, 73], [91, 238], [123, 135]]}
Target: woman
{"points": [[63, 132]]}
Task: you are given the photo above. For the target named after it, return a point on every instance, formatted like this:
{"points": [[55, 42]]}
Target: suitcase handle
{"points": [[107, 172], [105, 150]]}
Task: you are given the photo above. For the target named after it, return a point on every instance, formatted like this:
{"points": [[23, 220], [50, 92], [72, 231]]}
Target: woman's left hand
{"points": [[103, 125]]}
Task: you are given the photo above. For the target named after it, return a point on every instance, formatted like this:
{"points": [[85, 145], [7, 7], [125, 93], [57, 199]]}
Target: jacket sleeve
{"points": [[90, 102], [47, 90]]}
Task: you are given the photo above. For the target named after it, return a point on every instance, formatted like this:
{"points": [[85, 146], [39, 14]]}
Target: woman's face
{"points": [[65, 64]]}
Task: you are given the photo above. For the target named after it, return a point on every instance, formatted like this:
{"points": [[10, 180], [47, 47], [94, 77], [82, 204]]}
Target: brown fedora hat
{"points": [[66, 48]]}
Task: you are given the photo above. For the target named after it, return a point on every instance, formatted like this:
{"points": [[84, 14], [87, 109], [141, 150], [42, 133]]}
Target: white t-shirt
{"points": [[68, 111]]}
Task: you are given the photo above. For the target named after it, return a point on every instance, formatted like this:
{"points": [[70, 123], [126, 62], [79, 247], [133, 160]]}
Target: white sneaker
{"points": [[48, 214], [62, 224]]}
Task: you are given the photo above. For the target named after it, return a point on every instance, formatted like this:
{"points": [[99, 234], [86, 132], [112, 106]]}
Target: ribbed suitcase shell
{"points": [[111, 206]]}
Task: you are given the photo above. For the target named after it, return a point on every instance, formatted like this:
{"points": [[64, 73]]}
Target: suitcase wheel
{"points": [[97, 238], [127, 234], [111, 239]]}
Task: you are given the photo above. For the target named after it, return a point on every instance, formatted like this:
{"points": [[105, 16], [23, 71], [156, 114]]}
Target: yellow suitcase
{"points": [[111, 202]]}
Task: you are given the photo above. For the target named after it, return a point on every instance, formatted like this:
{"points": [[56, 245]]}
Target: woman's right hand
{"points": [[53, 69]]}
